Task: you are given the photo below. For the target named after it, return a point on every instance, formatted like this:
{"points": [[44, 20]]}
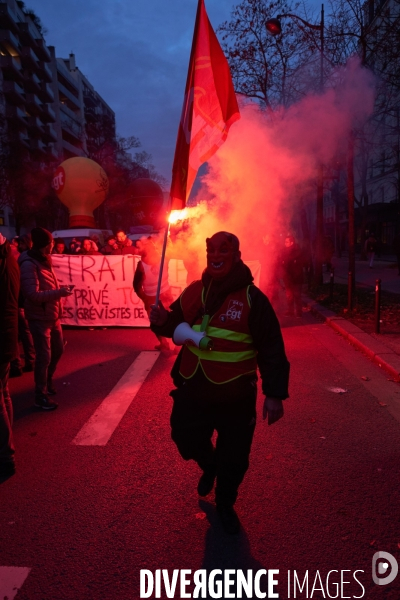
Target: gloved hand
{"points": [[158, 314], [273, 408]]}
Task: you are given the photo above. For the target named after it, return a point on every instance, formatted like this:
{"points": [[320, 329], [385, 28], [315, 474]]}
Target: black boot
{"points": [[206, 482]]}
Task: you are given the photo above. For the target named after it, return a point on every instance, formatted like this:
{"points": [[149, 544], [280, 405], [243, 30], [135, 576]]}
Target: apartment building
{"points": [[26, 80], [68, 107], [99, 117], [47, 106]]}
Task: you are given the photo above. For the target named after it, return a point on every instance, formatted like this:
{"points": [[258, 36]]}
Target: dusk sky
{"points": [[135, 53]]}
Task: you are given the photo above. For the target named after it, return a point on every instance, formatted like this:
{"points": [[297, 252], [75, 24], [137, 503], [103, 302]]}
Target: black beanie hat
{"points": [[41, 237]]}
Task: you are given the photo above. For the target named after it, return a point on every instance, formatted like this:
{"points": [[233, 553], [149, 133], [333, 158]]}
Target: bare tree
{"points": [[276, 71], [372, 31]]}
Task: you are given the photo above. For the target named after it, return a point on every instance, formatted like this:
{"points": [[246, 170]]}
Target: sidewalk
{"points": [[385, 270], [383, 349]]}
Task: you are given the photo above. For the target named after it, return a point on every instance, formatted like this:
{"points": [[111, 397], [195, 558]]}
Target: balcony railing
{"points": [[14, 92], [37, 145], [70, 98], [74, 114], [32, 83], [89, 98], [42, 50], [46, 93], [47, 114], [45, 71], [35, 126], [72, 150], [19, 137], [29, 58], [8, 18], [16, 115], [12, 67], [10, 42], [72, 127], [49, 133], [34, 104], [28, 33], [52, 151]]}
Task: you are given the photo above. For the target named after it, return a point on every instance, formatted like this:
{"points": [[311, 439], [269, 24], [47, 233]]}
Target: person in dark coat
{"points": [[216, 389], [124, 244], [43, 311], [9, 291], [110, 245], [145, 281], [24, 334], [59, 246], [292, 264]]}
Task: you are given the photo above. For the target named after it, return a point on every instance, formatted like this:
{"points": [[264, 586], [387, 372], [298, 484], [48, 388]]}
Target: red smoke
{"points": [[252, 185]]}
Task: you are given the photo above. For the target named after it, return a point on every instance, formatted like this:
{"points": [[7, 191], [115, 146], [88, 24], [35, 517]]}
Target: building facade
{"points": [[377, 161], [47, 106]]}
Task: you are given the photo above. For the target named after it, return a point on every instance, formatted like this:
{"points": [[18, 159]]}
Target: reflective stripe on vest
{"points": [[226, 334], [222, 356], [234, 354]]}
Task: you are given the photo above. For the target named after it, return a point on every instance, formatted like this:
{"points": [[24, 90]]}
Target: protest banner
{"points": [[103, 294]]}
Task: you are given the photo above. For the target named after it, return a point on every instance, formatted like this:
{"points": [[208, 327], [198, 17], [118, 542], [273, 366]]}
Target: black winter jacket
{"points": [[265, 331], [9, 290]]}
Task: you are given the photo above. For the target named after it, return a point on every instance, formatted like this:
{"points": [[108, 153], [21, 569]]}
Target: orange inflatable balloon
{"points": [[82, 185]]}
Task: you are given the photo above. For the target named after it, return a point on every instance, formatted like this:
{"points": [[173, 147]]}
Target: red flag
{"points": [[209, 108]]}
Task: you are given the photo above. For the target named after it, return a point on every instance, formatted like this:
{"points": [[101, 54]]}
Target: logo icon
{"points": [[58, 180], [235, 310], [385, 564]]}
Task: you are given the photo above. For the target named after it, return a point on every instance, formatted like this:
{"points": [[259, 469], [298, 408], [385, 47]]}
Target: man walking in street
{"points": [[9, 289], [43, 311], [216, 389]]}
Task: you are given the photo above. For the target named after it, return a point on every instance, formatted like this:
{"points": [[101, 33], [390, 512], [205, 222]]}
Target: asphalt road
{"points": [[322, 492]]}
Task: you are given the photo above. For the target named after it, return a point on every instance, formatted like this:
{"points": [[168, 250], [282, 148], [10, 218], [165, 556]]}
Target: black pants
{"points": [[293, 297], [201, 407]]}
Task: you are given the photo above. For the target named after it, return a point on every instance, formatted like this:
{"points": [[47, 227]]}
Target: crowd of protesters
{"points": [[118, 243], [30, 313]]}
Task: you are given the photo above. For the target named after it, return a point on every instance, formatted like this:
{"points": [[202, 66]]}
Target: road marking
{"points": [[11, 581], [102, 424]]}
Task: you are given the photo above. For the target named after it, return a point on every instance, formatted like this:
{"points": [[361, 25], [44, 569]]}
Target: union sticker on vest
{"points": [[235, 310]]}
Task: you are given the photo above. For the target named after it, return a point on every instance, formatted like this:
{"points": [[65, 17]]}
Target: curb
{"points": [[380, 354]]}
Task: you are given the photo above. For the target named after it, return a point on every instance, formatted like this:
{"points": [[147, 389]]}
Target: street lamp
{"points": [[274, 27]]}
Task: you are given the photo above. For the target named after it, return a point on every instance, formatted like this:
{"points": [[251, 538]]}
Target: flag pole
{"points": [[164, 248], [214, 78]]}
